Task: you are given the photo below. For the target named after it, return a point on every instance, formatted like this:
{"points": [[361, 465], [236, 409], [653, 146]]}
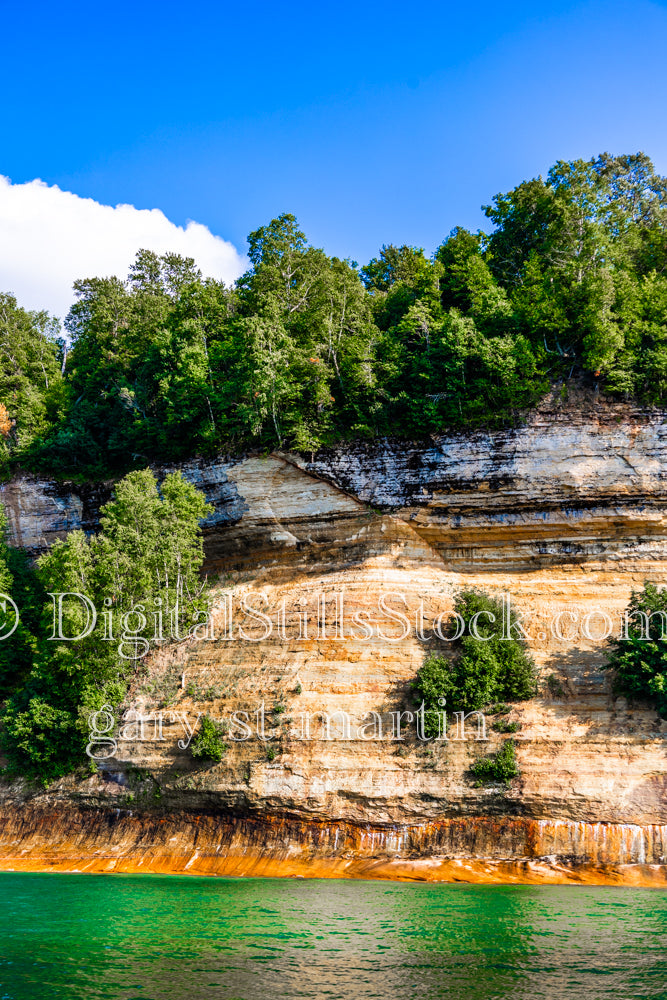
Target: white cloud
{"points": [[49, 237]]}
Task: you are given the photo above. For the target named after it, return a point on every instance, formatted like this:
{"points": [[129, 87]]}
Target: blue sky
{"points": [[371, 123]]}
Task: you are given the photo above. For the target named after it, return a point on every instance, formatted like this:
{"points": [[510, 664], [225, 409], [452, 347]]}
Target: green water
{"points": [[154, 937]]}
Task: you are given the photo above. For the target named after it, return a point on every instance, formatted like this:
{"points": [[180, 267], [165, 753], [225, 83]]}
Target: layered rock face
{"points": [[563, 516]]}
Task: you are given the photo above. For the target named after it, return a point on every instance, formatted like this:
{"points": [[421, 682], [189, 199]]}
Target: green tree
{"points": [[146, 560], [455, 255], [31, 386], [570, 250], [18, 581], [138, 369], [308, 349]]}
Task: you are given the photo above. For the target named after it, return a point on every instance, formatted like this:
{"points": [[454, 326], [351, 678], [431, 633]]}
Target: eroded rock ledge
{"points": [[477, 850]]}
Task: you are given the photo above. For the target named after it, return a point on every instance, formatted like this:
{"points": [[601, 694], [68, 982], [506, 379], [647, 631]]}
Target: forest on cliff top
{"points": [[308, 349]]}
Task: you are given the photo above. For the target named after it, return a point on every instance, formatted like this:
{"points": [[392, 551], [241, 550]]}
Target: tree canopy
{"points": [[307, 349], [31, 384]]}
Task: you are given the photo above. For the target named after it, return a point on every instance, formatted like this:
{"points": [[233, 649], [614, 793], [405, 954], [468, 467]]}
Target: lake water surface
{"points": [[176, 938]]}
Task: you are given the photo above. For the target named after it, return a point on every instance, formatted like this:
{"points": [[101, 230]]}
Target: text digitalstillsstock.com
{"points": [[323, 617]]}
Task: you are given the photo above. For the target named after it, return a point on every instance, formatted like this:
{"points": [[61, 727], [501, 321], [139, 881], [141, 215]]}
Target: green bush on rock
{"points": [[485, 666], [208, 742], [500, 767], [639, 659]]}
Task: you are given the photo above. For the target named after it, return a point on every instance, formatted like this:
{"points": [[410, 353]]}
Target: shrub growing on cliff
{"points": [[503, 726], [499, 767], [208, 742], [639, 659], [484, 666]]}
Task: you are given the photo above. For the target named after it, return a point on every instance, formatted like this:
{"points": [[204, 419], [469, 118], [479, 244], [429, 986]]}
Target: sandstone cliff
{"points": [[566, 513]]}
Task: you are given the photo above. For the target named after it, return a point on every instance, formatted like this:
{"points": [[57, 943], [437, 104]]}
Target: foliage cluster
{"points": [[498, 768], [32, 388], [479, 670], [18, 580], [503, 726], [639, 658], [208, 742], [306, 348], [146, 558]]}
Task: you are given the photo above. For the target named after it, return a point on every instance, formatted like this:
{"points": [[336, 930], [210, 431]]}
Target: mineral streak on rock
{"points": [[480, 850]]}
